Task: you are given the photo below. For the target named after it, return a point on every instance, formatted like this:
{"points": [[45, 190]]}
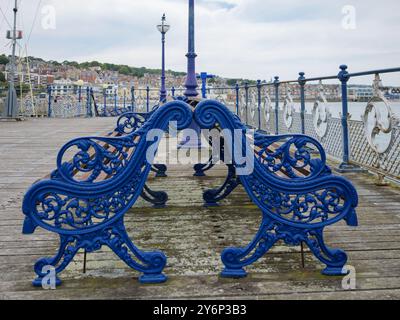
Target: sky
{"points": [[254, 39]]}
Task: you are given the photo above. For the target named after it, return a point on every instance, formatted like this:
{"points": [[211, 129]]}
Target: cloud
{"points": [[234, 38]]}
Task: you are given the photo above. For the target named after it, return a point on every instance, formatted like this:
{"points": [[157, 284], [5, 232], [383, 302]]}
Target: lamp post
{"points": [[10, 110], [163, 28], [191, 81]]}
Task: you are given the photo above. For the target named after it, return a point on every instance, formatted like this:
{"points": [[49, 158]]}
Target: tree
{"points": [[2, 77], [125, 70], [232, 82], [4, 60]]}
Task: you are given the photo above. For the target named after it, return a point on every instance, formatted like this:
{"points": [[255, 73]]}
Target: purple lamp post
{"points": [[163, 28], [191, 80]]}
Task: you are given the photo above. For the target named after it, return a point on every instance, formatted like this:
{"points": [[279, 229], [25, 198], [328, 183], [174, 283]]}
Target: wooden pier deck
{"points": [[192, 236]]}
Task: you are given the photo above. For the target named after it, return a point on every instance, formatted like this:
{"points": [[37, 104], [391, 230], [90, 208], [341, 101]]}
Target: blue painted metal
{"points": [[237, 98], [173, 92], [79, 94], [246, 88], [92, 99], [302, 83], [115, 102], [295, 210], [259, 103], [148, 99], [204, 76], [163, 91], [89, 112], [191, 80], [276, 85], [49, 92], [88, 214], [344, 77]]}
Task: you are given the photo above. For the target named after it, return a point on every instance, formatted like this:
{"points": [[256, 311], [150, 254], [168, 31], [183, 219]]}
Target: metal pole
{"points": [[344, 78], [115, 101], [94, 102], [259, 103], [204, 77], [276, 84], [173, 91], [191, 81], [88, 103], [163, 92], [79, 101], [302, 82], [148, 99], [133, 99], [237, 98], [345, 166], [50, 99], [246, 87], [105, 102], [80, 94], [10, 111]]}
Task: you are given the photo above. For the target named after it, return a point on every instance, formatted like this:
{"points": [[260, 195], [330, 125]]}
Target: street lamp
{"points": [[163, 28], [11, 107], [191, 81]]}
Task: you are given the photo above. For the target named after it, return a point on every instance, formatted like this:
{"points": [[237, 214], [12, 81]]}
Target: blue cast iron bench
{"points": [[86, 200]]}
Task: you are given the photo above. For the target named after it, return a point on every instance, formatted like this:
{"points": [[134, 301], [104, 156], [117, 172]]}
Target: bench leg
{"points": [[160, 170], [59, 262], [334, 259], [158, 199], [151, 264], [200, 168], [212, 197], [235, 259]]}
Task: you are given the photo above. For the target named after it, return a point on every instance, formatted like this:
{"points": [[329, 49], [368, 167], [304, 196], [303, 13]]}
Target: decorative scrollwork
{"points": [[67, 212], [288, 109], [253, 103], [140, 102], [130, 122], [302, 207], [378, 120], [321, 113], [266, 104], [87, 213], [242, 104], [296, 155], [95, 157], [296, 208]]}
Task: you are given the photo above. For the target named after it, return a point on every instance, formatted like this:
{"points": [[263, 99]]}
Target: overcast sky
{"points": [[254, 39]]}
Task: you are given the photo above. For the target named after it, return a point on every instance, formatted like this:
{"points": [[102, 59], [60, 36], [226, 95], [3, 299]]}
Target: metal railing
{"points": [[88, 101], [367, 135], [371, 142]]}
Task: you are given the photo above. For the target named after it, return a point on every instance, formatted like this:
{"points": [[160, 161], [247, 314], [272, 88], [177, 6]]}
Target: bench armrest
{"points": [[94, 159], [131, 121], [295, 157]]}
